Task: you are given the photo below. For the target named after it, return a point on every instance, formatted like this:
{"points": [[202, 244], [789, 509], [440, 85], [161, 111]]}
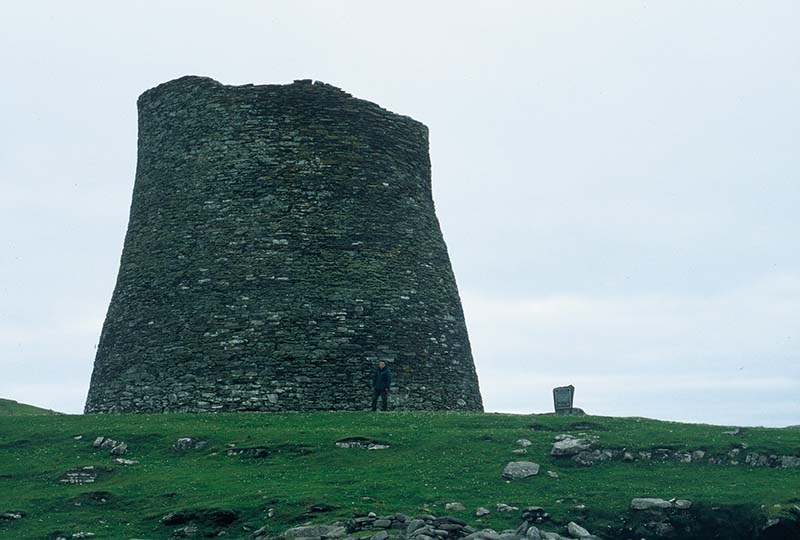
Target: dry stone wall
{"points": [[282, 239]]}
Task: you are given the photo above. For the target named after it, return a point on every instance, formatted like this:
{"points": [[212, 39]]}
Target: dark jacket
{"points": [[382, 379]]}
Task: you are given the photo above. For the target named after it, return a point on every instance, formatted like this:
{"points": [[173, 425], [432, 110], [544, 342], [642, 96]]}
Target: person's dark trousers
{"points": [[384, 395]]}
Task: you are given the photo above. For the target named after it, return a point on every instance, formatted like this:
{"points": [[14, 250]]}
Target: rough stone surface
{"points": [[533, 533], [648, 503], [186, 444], [316, 531], [576, 531], [282, 239], [570, 446]]}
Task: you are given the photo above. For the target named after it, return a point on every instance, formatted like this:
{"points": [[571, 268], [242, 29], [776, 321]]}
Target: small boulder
{"points": [[533, 533], [524, 442], [316, 531], [107, 443], [455, 506], [649, 503], [481, 511], [186, 444], [576, 531], [518, 470], [503, 507], [119, 450], [413, 525], [570, 447]]}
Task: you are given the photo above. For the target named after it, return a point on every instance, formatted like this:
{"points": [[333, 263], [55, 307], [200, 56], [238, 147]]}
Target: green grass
{"points": [[434, 458], [9, 407]]}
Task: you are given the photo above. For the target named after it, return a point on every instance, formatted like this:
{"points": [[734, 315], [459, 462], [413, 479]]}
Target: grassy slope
{"points": [[434, 458], [9, 407]]}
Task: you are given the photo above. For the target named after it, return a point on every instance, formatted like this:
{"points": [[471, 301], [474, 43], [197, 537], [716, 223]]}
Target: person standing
{"points": [[380, 386]]}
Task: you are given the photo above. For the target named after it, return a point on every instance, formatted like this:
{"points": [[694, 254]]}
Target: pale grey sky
{"points": [[618, 182]]}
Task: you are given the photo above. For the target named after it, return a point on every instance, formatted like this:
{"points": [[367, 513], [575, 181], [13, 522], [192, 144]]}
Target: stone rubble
{"points": [[186, 444], [80, 476], [427, 527], [361, 442], [585, 452], [116, 448]]}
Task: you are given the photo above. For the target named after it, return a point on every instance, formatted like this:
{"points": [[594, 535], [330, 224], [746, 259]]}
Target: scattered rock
{"points": [[647, 503], [107, 443], [81, 475], [11, 516], [502, 507], [552, 474], [186, 444], [481, 511], [380, 535], [455, 506], [361, 442], [576, 531], [524, 442], [569, 446], [316, 531], [123, 461], [518, 470], [120, 450], [83, 535], [735, 431], [256, 452], [520, 451], [533, 533], [78, 437], [535, 514], [589, 458], [98, 441]]}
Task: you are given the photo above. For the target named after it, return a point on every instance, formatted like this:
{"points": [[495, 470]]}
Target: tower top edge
{"points": [[189, 83]]}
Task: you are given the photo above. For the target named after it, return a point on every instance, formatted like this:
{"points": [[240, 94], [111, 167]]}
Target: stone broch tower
{"points": [[282, 240]]}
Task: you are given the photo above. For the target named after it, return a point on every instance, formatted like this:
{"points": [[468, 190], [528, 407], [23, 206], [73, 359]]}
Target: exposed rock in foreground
{"points": [[650, 518]]}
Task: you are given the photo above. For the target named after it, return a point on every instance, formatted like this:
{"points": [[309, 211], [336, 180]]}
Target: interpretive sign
{"points": [[562, 398]]}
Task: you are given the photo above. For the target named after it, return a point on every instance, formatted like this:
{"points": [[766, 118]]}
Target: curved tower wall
{"points": [[282, 239]]}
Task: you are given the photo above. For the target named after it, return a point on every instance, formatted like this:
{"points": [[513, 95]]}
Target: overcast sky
{"points": [[618, 182]]}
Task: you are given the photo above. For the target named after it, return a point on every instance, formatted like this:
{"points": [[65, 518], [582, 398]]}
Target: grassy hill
{"points": [[281, 470], [9, 407]]}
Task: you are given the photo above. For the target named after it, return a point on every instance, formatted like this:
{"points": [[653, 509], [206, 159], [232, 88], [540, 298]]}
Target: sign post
{"points": [[562, 399]]}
